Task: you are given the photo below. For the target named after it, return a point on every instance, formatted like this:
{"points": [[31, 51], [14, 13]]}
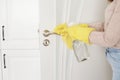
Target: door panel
{"points": [[22, 23], [21, 65]]}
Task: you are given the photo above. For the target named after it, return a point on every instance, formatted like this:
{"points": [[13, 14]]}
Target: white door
{"points": [[20, 24], [54, 62], [21, 64], [48, 53]]}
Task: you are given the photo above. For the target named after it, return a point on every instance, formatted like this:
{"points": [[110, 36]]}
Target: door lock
{"points": [[46, 42], [47, 33]]}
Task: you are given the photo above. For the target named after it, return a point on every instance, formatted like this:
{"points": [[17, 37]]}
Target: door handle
{"points": [[3, 34], [4, 60], [48, 33]]}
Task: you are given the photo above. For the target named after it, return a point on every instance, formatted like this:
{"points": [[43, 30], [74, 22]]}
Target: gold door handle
{"points": [[48, 33]]}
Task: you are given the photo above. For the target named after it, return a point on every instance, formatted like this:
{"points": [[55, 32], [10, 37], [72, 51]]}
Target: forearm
{"points": [[103, 39], [98, 26]]}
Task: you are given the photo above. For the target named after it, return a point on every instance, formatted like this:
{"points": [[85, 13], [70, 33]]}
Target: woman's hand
{"points": [[74, 32]]}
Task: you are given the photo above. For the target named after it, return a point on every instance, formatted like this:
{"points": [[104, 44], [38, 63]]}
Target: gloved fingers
{"points": [[84, 25], [61, 29], [79, 25]]}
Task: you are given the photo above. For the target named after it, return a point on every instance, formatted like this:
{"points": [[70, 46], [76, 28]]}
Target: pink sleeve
{"points": [[99, 26], [111, 36]]}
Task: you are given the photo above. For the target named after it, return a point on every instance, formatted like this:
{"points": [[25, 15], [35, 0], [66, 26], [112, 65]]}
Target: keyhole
{"points": [[46, 42]]}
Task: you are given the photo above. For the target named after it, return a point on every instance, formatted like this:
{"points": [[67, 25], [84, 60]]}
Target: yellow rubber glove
{"points": [[62, 30], [80, 33], [75, 32]]}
